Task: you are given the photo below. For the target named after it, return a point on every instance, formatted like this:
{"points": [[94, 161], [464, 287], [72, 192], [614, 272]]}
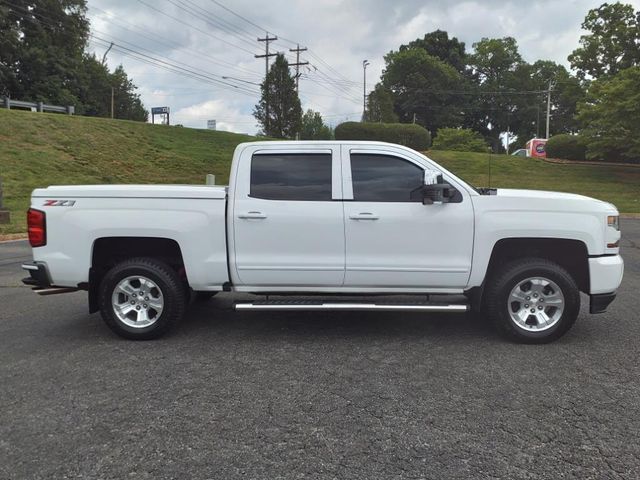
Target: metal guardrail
{"points": [[9, 103]]}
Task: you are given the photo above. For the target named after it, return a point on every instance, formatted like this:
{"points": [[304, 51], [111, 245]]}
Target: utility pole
{"points": [[548, 108], [111, 102], [298, 64], [266, 56], [364, 90]]}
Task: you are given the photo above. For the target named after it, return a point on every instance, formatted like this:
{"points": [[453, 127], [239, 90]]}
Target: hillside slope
{"points": [[39, 149]]}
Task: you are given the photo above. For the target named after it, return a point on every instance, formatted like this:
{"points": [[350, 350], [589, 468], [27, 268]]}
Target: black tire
{"points": [[204, 296], [167, 281], [507, 277]]}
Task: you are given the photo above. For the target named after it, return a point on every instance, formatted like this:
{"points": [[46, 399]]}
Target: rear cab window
{"points": [[291, 176]]}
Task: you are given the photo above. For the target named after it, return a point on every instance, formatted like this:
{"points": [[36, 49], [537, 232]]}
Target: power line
{"points": [[173, 67], [202, 14], [193, 27], [318, 58], [117, 22]]}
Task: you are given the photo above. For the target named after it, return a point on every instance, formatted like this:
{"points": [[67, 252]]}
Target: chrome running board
{"points": [[389, 307], [53, 290]]}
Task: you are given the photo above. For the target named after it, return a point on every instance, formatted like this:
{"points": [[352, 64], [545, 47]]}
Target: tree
{"points": [[313, 127], [528, 108], [127, 102], [42, 58], [459, 139], [613, 41], [43, 43], [498, 68], [420, 84], [439, 45], [279, 112], [610, 117], [380, 106]]}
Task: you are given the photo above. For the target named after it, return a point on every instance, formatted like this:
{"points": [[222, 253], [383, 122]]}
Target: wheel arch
{"points": [[108, 251], [570, 254]]}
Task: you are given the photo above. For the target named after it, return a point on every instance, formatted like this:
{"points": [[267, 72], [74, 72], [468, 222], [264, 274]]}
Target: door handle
{"points": [[364, 216], [252, 215]]}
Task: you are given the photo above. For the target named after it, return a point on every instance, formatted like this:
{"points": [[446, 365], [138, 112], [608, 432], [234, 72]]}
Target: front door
{"points": [[288, 220], [392, 239]]}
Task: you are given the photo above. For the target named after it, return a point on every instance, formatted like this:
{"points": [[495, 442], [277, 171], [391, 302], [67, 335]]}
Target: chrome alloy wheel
{"points": [[137, 301], [536, 304]]}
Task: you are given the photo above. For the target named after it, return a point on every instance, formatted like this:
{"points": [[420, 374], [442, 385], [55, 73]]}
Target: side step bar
{"points": [[411, 307], [53, 290]]}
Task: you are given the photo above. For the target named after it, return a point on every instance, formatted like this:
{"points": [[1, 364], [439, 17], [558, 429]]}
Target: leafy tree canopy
{"points": [[313, 127], [459, 139], [438, 44], [612, 42], [420, 83], [610, 116], [42, 58], [380, 107], [279, 113]]}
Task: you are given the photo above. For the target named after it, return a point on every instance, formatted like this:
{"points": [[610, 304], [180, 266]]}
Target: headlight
{"points": [[614, 221]]}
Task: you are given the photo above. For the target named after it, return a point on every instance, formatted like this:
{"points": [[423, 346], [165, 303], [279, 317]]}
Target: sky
{"points": [[197, 56]]}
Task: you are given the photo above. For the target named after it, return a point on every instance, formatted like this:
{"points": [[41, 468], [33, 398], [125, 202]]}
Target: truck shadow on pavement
{"points": [[217, 317]]}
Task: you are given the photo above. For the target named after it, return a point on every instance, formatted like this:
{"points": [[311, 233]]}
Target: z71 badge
{"points": [[59, 203]]}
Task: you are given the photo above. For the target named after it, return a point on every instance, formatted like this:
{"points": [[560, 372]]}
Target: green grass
{"points": [[619, 185], [39, 149]]}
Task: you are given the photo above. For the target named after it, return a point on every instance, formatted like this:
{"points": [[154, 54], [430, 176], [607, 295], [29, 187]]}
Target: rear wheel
{"points": [[532, 300], [141, 298]]}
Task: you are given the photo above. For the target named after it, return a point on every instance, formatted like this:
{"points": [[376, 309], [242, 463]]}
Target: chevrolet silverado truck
{"points": [[327, 221]]}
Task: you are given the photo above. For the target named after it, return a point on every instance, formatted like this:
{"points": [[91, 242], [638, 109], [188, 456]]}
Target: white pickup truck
{"points": [[324, 220]]}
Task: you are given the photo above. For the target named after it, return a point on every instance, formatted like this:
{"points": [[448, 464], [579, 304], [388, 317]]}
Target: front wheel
{"points": [[141, 298], [532, 300]]}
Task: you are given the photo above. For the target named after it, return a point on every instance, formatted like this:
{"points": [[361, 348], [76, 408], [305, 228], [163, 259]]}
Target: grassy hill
{"points": [[39, 149]]}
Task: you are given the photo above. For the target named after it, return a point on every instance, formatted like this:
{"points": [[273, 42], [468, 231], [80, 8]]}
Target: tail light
{"points": [[37, 227]]}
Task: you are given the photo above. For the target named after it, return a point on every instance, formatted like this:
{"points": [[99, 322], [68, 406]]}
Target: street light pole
{"points": [[548, 108], [364, 90]]}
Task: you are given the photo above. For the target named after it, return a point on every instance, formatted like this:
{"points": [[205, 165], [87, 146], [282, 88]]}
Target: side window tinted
{"points": [[384, 178], [291, 176]]}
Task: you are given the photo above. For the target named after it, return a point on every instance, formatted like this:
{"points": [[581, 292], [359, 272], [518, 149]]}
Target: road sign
{"points": [[159, 110]]}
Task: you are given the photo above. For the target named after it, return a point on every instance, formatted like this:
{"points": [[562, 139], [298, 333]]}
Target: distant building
{"points": [[211, 124]]}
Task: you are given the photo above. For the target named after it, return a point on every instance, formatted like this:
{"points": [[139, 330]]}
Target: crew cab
{"points": [[312, 222]]}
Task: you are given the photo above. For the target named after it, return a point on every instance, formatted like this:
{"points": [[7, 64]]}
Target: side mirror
{"points": [[435, 189]]}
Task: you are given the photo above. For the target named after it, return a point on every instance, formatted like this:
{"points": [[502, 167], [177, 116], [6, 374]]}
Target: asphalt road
{"points": [[323, 395]]}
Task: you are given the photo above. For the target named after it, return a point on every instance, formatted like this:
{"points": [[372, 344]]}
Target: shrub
{"points": [[408, 134], [568, 147], [460, 140]]}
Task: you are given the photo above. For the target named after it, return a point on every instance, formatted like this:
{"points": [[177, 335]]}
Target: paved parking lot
{"points": [[323, 395]]}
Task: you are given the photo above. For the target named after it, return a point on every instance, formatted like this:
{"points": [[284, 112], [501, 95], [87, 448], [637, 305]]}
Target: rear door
{"points": [[288, 222]]}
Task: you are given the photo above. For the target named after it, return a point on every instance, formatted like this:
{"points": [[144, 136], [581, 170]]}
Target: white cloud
{"points": [[339, 32], [227, 117]]}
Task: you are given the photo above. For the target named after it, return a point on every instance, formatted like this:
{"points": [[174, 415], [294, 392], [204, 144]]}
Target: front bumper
{"points": [[605, 274]]}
